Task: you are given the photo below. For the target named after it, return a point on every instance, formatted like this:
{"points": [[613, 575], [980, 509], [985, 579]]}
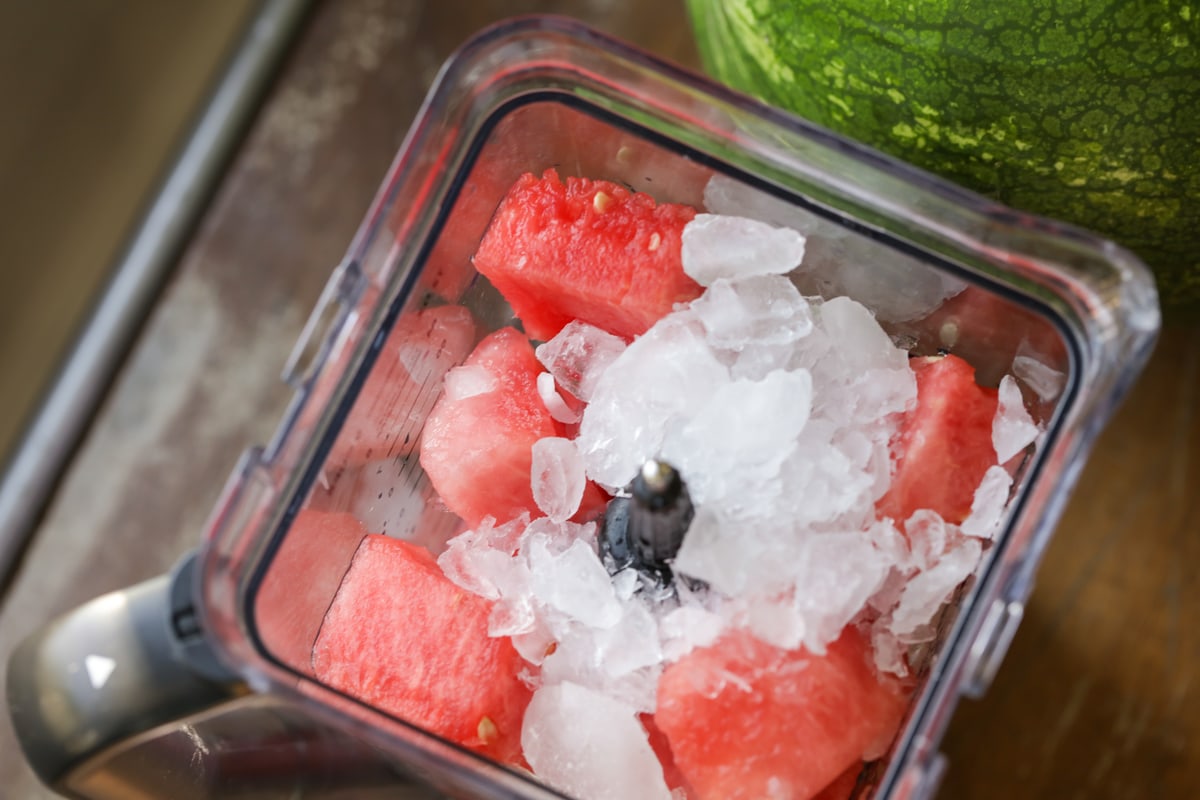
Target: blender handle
{"points": [[118, 666]]}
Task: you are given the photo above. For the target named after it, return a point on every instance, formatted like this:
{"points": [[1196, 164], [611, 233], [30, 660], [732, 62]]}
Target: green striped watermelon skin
{"points": [[1079, 110]]}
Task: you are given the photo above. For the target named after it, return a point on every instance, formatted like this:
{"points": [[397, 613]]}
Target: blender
{"points": [[203, 683]]}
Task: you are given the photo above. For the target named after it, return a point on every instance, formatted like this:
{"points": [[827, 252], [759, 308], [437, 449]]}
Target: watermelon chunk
{"points": [[587, 250], [944, 445], [313, 554], [403, 638], [477, 446], [747, 720], [386, 418]]}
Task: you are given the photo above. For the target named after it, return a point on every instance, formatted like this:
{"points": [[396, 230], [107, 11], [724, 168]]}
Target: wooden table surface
{"points": [[1097, 698]]}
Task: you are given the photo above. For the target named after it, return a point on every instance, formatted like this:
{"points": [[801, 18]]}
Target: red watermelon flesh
{"points": [[944, 445], [401, 637], [843, 786], [300, 583], [747, 720], [478, 450], [385, 420], [587, 250]]}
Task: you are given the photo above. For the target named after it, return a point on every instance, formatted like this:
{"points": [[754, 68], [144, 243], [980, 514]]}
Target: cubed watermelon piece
{"points": [[747, 720], [944, 445], [588, 250], [477, 446], [313, 555], [403, 638], [385, 420]]}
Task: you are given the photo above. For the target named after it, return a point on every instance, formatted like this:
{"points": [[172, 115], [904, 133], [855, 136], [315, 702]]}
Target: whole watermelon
{"points": [[1082, 110]]}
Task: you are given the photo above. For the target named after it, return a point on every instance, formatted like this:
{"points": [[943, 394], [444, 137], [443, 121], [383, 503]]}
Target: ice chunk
{"points": [[855, 332], [888, 594], [577, 658], [1012, 429], [894, 549], [685, 628], [733, 556], [717, 246], [554, 402], [836, 575], [578, 356], [929, 590], [557, 536], [630, 644], [895, 286], [887, 539], [744, 428], [839, 261], [987, 506], [658, 379], [468, 381], [514, 615], [755, 360], [625, 583], [888, 650], [868, 453], [558, 479], [534, 645], [805, 588], [589, 746], [1046, 382], [480, 560], [928, 537], [709, 554], [821, 483], [765, 310], [724, 195], [864, 377], [775, 622], [712, 551], [480, 570], [574, 582]]}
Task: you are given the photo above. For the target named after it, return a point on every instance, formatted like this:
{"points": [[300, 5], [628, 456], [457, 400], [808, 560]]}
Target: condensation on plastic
{"points": [[541, 92]]}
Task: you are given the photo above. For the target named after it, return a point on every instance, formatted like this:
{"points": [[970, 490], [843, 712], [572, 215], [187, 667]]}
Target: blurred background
{"points": [[96, 95]]}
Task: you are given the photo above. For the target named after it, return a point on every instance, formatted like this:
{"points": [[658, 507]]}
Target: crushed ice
{"points": [[1045, 381], [778, 409], [761, 311], [717, 246], [1013, 429], [553, 401], [578, 355], [587, 744], [840, 262], [557, 477], [988, 505], [674, 371], [930, 589]]}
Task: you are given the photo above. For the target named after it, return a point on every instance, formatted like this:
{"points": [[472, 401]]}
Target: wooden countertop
{"points": [[1097, 697]]}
